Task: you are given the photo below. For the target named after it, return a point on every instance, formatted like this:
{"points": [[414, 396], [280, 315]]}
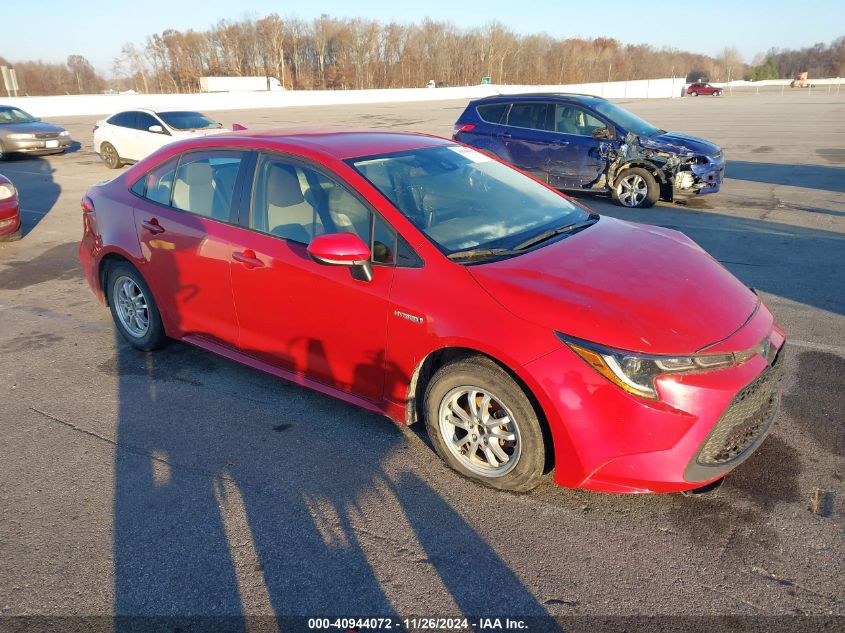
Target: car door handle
{"points": [[559, 143], [506, 135], [153, 226], [248, 259]]}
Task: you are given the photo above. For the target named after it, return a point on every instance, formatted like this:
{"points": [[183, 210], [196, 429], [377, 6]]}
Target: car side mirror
{"points": [[342, 249], [604, 134], [156, 129]]}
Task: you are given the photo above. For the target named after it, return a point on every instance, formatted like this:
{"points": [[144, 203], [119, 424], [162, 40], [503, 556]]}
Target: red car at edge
{"points": [[10, 212], [420, 279]]}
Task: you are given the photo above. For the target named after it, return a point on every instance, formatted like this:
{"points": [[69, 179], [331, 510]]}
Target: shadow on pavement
{"points": [[808, 176], [37, 189]]}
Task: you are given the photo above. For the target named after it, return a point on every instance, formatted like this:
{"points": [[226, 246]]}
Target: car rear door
{"points": [[526, 138], [577, 160], [183, 219], [311, 319]]}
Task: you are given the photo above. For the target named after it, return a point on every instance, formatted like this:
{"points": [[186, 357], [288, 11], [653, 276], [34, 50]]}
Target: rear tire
{"points": [[718, 93], [133, 308], [110, 156], [636, 188], [483, 425]]}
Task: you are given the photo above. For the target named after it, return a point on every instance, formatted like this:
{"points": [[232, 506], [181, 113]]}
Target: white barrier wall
{"points": [[70, 105]]}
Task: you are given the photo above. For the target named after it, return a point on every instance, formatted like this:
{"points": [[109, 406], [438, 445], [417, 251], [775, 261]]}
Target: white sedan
{"points": [[131, 135]]}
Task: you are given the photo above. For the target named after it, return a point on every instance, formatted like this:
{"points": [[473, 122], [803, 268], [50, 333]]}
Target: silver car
{"points": [[22, 132]]}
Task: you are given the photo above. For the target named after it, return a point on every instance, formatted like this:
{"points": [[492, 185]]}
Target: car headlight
{"points": [[635, 373], [21, 137], [7, 191], [64, 133]]}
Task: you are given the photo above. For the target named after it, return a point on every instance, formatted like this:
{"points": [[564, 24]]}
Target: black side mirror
{"points": [[604, 134]]}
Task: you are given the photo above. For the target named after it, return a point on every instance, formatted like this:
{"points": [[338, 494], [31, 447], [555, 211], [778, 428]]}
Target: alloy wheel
{"points": [[131, 307], [480, 431], [632, 190]]}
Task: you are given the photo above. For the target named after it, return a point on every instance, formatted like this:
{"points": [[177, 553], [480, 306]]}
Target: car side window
{"points": [[297, 203], [534, 116], [123, 119], [492, 113], [571, 119], [143, 121], [157, 185], [205, 183]]}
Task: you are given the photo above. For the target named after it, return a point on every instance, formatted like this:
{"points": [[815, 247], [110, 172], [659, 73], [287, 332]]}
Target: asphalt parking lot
{"points": [[178, 483]]}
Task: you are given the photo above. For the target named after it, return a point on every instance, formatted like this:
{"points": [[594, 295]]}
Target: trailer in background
{"points": [[239, 84]]}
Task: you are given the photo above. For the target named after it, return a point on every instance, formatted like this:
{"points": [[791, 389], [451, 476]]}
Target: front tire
{"points": [[636, 187], [482, 425], [110, 156], [133, 308]]}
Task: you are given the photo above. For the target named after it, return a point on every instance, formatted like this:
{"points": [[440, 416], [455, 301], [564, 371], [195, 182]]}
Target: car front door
{"points": [[311, 319], [148, 142], [578, 160], [526, 139], [183, 217]]}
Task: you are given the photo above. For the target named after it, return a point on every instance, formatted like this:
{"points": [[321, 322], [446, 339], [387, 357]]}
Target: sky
{"points": [[50, 30]]}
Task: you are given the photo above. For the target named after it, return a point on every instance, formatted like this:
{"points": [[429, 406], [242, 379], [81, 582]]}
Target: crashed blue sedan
{"points": [[580, 142]]}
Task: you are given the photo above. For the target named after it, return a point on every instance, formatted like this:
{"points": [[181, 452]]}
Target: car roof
{"points": [[569, 97], [340, 144]]}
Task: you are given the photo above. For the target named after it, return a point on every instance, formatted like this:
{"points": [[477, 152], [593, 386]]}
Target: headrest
{"points": [[283, 188], [198, 174]]}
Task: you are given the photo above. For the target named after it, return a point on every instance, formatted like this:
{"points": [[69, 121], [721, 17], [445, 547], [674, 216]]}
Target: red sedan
{"points": [[420, 279], [10, 213]]}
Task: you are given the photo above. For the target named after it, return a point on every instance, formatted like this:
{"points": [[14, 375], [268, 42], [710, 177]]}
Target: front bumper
{"points": [[703, 425], [706, 178], [37, 146]]}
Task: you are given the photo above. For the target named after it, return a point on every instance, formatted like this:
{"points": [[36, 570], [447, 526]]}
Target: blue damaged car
{"points": [[580, 142]]}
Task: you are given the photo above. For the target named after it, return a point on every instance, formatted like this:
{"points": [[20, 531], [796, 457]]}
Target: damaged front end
{"points": [[681, 171]]}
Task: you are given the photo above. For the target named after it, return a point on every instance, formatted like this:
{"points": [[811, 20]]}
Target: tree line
{"points": [[354, 53], [819, 60]]}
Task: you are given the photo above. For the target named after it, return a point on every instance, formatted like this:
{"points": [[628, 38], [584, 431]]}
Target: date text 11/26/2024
{"points": [[417, 624]]}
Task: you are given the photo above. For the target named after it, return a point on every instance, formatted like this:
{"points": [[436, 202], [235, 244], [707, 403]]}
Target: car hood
{"points": [[198, 133], [680, 144], [38, 127], [624, 285]]}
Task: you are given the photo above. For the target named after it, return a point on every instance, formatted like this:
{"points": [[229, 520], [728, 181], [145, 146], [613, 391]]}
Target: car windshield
{"points": [[627, 120], [188, 121], [462, 199], [14, 115]]}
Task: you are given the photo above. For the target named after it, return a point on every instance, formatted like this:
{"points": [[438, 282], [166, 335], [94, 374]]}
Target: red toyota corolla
{"points": [[421, 279], [10, 213]]}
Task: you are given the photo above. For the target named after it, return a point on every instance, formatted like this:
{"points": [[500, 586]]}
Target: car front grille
{"points": [[42, 136], [747, 418]]}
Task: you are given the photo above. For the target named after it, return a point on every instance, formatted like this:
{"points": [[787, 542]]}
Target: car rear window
{"points": [[122, 119], [492, 113]]}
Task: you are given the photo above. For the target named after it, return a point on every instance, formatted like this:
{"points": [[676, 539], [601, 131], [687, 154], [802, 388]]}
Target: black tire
{"points": [[453, 383], [627, 191], [110, 156], [153, 336], [693, 94], [2, 152], [717, 93]]}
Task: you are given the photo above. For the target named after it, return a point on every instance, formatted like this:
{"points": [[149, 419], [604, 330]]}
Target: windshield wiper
{"points": [[479, 253], [547, 235]]}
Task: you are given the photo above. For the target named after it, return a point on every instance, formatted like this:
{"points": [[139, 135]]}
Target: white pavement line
{"points": [[822, 347]]}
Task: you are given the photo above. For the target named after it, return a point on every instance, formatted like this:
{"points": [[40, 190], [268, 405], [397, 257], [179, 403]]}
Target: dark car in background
{"points": [[23, 133], [10, 213], [581, 142]]}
